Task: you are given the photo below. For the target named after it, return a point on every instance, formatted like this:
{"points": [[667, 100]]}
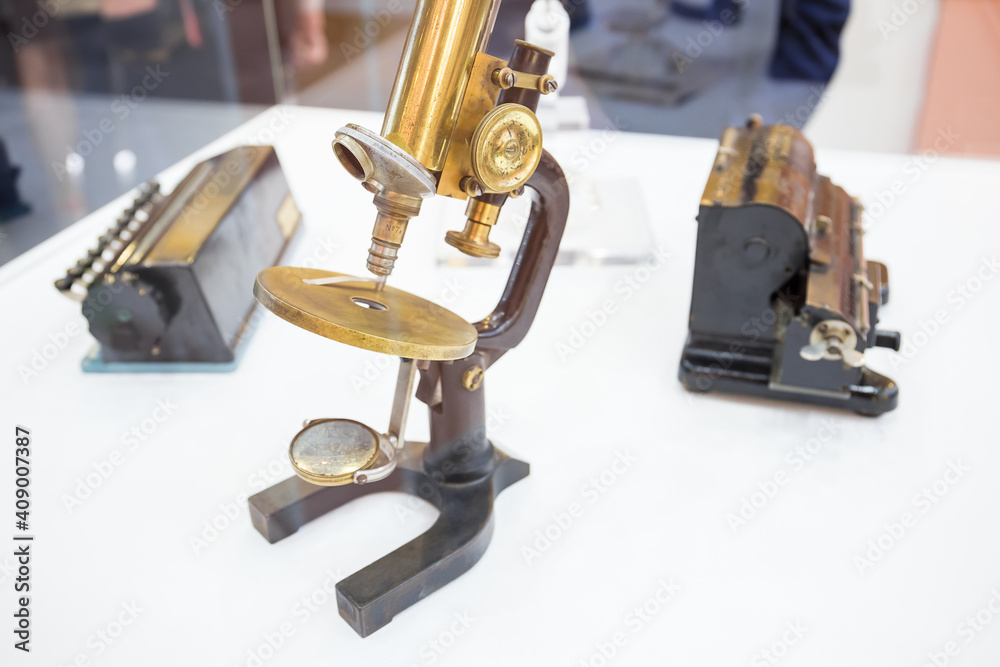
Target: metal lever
{"points": [[394, 441], [831, 340], [851, 356], [890, 339], [814, 352]]}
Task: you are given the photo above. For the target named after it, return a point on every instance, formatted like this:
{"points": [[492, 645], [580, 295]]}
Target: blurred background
{"points": [[97, 96]]}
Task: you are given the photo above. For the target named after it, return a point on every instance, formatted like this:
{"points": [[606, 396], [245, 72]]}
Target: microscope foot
{"points": [[371, 597], [282, 509]]}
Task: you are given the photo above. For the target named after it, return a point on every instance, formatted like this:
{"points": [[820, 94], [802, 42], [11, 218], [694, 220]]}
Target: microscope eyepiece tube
{"points": [[433, 74]]}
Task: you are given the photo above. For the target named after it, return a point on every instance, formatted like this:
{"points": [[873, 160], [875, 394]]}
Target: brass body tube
{"points": [[444, 37]]}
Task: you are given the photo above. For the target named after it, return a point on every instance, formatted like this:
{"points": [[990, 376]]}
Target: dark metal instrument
{"points": [[784, 303], [167, 283]]}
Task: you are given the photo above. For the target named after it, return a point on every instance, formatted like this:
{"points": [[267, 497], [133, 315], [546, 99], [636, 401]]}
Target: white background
{"points": [[696, 458]]}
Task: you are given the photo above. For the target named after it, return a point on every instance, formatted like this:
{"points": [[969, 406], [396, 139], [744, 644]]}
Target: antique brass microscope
{"points": [[459, 123]]}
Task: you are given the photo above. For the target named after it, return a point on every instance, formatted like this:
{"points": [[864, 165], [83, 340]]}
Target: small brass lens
{"points": [[328, 452]]}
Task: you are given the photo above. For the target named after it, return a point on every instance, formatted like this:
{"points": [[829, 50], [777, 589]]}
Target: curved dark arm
{"points": [[509, 322]]}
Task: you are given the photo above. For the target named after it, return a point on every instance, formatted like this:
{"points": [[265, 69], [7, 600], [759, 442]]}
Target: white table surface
{"points": [[664, 518]]}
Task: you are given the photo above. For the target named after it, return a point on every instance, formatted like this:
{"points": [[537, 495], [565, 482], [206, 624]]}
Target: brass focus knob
{"points": [[506, 148], [474, 240]]}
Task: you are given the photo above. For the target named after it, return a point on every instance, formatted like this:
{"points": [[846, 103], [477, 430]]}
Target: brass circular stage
{"points": [[357, 312]]}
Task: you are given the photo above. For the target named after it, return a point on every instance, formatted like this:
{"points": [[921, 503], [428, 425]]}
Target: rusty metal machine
{"points": [[460, 123], [160, 288], [784, 303]]}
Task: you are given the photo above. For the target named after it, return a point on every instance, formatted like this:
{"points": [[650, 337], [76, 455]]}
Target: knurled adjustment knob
{"points": [[128, 314]]}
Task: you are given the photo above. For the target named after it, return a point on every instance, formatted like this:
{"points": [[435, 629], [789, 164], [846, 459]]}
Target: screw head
{"points": [[473, 377], [511, 149], [471, 187], [756, 250], [505, 78]]}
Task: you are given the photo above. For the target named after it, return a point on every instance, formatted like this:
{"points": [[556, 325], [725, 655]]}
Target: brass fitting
{"points": [[394, 213], [473, 377], [474, 240], [399, 183], [471, 186], [505, 78]]}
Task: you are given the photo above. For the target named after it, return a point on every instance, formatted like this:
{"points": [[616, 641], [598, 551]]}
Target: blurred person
{"points": [[808, 45], [308, 39], [43, 74], [11, 206]]}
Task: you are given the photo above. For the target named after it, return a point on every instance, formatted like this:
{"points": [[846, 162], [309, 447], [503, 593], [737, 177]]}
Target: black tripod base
{"points": [[874, 395], [371, 597]]}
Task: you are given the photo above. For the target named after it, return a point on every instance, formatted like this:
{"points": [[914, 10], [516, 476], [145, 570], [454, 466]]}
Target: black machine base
{"points": [[371, 597], [873, 396]]}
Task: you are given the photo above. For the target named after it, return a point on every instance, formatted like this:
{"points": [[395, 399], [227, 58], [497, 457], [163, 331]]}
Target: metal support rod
{"points": [[401, 402]]}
